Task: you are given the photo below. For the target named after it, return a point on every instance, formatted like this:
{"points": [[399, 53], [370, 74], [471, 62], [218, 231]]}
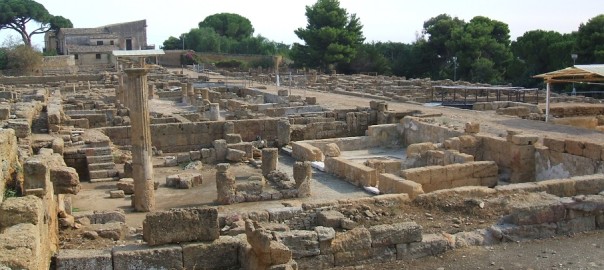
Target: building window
{"points": [[76, 56], [111, 42], [98, 56], [99, 42]]}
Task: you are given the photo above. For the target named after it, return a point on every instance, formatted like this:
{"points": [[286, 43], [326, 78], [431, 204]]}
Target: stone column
{"points": [[119, 89], [184, 93], [214, 111], [283, 132], [225, 184], [205, 94], [229, 128], [270, 156], [142, 167], [151, 91], [302, 175], [190, 93]]}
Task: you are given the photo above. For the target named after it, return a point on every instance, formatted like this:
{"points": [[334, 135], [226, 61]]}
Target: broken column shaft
{"points": [[270, 157], [142, 167]]}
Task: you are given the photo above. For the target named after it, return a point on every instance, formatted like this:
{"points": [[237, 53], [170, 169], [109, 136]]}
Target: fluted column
{"points": [[142, 167]]}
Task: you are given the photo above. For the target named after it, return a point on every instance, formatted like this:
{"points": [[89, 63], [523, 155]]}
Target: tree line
{"points": [[479, 50]]}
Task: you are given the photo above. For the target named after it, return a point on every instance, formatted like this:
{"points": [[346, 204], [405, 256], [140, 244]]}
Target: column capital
{"points": [[136, 71]]}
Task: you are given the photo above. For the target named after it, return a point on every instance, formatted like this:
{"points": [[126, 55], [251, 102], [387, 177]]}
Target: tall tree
{"points": [[229, 25], [15, 14], [483, 50], [331, 36], [172, 43], [590, 41], [438, 50], [538, 52]]}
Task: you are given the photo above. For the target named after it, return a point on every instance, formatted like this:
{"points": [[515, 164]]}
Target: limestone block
{"points": [[331, 150], [316, 262], [555, 145], [452, 144], [195, 155], [36, 173], [126, 185], [311, 100], [301, 243], [235, 155], [143, 257], [15, 210], [115, 194], [524, 139], [559, 187], [111, 230], [418, 175], [489, 181], [330, 218], [4, 112], [352, 257], [472, 128], [325, 236], [484, 169], [85, 259], [459, 171], [431, 245], [539, 208], [101, 217], [392, 184], [233, 138], [393, 234], [420, 148], [577, 225], [219, 254], [589, 184], [358, 238], [65, 180], [438, 174], [463, 182], [20, 247], [221, 149], [181, 225], [574, 147], [305, 152], [593, 150], [58, 146], [183, 157], [283, 213], [468, 141], [270, 157]]}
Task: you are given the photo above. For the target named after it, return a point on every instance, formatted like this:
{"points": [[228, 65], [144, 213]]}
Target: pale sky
{"points": [[383, 20]]}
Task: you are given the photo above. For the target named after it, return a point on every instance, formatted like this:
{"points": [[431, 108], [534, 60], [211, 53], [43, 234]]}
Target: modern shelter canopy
{"points": [[577, 73]]}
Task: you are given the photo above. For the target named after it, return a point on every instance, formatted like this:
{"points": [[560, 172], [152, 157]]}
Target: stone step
{"points": [[96, 144], [101, 166], [99, 159], [95, 151], [103, 173], [107, 179]]}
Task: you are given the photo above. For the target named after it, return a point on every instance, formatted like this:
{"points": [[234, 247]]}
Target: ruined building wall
{"points": [[182, 137], [49, 79], [9, 158]]}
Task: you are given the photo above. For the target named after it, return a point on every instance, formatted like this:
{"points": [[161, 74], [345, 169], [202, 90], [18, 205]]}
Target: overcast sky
{"points": [[383, 20]]}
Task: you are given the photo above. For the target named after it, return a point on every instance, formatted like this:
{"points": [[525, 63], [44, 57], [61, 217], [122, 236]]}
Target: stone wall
{"points": [[184, 137], [560, 158], [355, 173], [50, 79], [10, 162], [416, 131], [29, 225], [480, 173]]}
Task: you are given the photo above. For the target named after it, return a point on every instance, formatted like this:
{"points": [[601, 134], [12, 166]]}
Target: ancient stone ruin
{"points": [[151, 168]]}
